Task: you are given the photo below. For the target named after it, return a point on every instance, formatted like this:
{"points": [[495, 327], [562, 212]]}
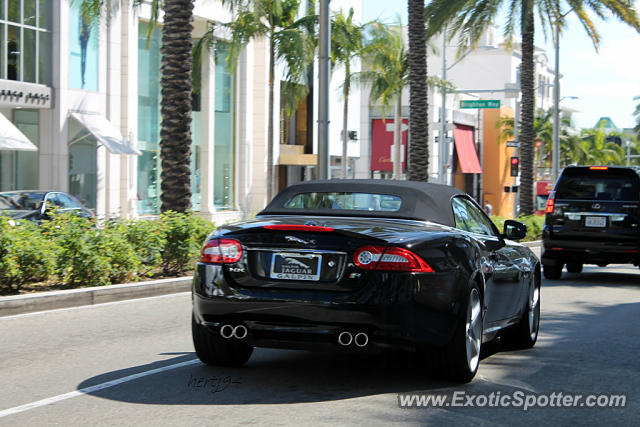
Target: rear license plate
{"points": [[596, 221], [295, 266]]}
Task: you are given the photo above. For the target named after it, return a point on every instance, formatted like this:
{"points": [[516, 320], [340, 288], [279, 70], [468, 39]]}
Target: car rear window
{"points": [[345, 201], [590, 184]]}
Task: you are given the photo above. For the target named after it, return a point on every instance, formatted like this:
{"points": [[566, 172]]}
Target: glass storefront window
{"points": [[25, 40], [83, 47], [19, 169], [13, 10], [2, 47], [224, 136], [83, 171], [13, 52], [196, 135], [148, 120], [29, 12], [44, 14], [44, 58], [29, 58]]}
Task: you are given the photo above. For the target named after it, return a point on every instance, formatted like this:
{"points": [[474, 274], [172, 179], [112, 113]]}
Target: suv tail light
{"points": [[383, 258], [221, 251], [550, 202]]}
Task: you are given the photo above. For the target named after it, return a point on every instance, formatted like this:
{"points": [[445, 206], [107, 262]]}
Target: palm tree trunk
{"points": [[418, 162], [175, 135], [270, 178], [345, 119], [397, 143], [527, 68]]}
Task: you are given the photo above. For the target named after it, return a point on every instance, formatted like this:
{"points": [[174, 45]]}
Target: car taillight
{"points": [[389, 259], [550, 203], [221, 251], [599, 168]]}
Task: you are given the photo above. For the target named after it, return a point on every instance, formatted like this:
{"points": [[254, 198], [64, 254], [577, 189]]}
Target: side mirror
{"points": [[514, 230]]}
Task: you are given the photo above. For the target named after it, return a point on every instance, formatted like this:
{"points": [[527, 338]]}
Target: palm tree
{"points": [[291, 42], [595, 149], [388, 74], [470, 18], [346, 45], [418, 164], [175, 134]]}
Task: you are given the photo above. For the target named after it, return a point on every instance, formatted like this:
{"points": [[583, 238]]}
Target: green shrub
{"points": [[185, 234], [82, 256], [534, 225], [148, 240], [124, 261], [25, 255]]}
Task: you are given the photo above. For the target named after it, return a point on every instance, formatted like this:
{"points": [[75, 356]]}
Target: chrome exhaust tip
{"points": [[226, 331], [240, 332], [345, 338], [361, 339]]}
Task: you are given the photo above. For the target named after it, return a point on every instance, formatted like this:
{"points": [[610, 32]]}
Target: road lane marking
{"points": [[103, 304], [93, 388]]}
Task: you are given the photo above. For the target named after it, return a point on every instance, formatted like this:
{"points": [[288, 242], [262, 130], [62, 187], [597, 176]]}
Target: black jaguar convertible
{"points": [[366, 264]]}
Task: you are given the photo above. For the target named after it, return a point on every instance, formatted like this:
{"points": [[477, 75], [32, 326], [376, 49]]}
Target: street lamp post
{"points": [[324, 41], [556, 104]]}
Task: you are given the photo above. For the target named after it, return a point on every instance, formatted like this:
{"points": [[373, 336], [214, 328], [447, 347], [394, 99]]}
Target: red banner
{"points": [[382, 144]]}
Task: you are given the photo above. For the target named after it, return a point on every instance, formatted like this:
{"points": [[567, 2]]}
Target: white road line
{"points": [[80, 307], [94, 388]]}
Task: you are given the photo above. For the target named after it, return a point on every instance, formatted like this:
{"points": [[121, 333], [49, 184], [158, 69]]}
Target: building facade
{"points": [[85, 98]]}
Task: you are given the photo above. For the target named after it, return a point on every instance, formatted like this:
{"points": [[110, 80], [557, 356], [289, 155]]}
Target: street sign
{"points": [[513, 144], [481, 103]]}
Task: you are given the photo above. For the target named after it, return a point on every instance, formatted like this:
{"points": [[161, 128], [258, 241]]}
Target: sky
{"points": [[605, 82]]}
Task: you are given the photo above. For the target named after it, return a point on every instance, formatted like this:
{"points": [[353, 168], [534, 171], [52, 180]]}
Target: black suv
{"points": [[592, 217]]}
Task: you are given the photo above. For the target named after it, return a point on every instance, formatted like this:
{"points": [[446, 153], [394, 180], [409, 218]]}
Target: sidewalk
{"points": [[27, 303], [19, 304]]}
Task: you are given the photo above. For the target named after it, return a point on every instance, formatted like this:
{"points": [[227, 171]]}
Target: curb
{"points": [[19, 304], [533, 244]]}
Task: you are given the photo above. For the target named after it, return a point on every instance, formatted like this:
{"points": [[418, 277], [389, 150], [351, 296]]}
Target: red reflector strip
{"points": [[557, 249], [599, 168], [299, 227], [633, 251]]}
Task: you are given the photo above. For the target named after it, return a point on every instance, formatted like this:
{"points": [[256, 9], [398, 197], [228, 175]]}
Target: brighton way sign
{"points": [[481, 103]]}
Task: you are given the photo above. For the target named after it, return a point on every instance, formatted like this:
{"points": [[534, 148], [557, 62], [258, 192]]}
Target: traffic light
{"points": [[515, 163]]}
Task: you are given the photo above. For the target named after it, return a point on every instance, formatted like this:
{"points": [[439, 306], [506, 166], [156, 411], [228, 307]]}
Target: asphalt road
{"points": [[132, 363]]}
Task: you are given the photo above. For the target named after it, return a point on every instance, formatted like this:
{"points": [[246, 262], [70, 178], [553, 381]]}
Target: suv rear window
{"points": [[345, 201], [591, 184]]}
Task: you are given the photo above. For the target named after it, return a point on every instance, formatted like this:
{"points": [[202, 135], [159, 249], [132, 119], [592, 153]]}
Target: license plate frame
{"points": [[296, 266], [596, 221]]}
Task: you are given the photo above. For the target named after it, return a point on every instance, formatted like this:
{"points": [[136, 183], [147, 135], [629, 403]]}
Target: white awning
{"points": [[105, 133], [12, 139]]}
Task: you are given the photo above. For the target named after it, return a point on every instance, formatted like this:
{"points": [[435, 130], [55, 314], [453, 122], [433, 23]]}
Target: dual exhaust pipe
{"points": [[239, 332], [346, 338]]}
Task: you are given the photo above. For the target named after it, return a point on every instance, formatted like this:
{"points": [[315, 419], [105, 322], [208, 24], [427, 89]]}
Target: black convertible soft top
{"points": [[420, 200]]}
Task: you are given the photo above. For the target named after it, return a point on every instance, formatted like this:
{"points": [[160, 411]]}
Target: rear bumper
{"points": [[393, 313], [557, 252]]}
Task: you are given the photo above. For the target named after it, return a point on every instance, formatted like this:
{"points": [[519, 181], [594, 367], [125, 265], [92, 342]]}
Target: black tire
{"points": [[574, 267], [459, 360], [552, 272], [214, 350], [525, 333]]}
